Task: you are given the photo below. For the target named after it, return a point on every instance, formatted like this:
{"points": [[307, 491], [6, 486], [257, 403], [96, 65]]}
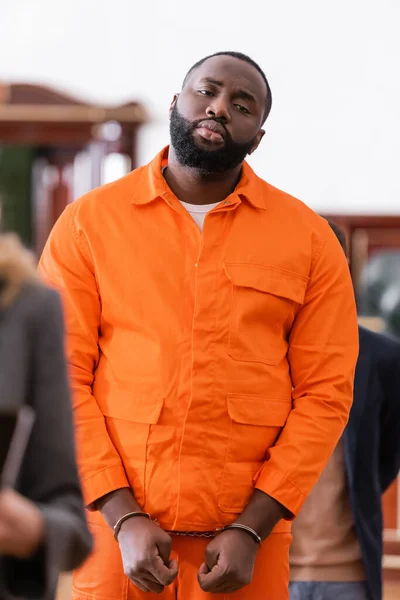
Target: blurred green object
{"points": [[16, 164], [381, 289]]}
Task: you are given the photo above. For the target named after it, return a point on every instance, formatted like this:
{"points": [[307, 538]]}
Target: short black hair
{"points": [[340, 234], [245, 58]]}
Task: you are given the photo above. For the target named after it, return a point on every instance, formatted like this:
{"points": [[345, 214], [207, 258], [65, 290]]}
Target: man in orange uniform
{"points": [[212, 345]]}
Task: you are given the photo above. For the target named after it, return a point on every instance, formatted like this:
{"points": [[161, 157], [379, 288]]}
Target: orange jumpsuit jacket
{"points": [[203, 364]]}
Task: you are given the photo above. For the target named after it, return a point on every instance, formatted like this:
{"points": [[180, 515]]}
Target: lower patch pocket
{"points": [[256, 422]]}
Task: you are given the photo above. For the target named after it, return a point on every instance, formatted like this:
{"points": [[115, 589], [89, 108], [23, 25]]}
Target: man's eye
{"points": [[205, 92], [242, 109]]}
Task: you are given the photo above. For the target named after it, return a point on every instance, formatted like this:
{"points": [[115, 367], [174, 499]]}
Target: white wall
{"points": [[333, 137]]}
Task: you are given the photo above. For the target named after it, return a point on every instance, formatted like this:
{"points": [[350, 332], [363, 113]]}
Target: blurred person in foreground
{"points": [[212, 345], [42, 524], [337, 538]]}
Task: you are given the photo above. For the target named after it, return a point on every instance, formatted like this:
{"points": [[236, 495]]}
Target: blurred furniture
{"points": [[367, 238], [54, 148]]}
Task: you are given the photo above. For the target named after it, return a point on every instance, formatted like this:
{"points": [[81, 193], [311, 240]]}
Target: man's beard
{"points": [[206, 162]]}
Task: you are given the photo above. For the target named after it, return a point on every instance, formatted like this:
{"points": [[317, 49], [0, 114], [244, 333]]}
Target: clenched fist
{"points": [[229, 562], [145, 550]]}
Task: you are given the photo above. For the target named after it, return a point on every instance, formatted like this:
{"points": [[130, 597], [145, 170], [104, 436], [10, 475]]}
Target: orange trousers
{"points": [[102, 576]]}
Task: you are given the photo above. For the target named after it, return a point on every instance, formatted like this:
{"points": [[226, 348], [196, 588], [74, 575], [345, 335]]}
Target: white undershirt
{"points": [[198, 212]]}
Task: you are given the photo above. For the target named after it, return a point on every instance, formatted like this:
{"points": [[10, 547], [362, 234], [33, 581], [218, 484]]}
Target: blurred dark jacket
{"points": [[372, 444], [33, 371]]}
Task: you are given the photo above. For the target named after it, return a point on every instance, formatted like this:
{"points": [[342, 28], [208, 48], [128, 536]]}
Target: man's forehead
{"points": [[228, 69]]}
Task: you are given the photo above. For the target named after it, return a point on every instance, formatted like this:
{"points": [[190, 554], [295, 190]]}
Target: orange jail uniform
{"points": [[102, 576], [203, 364]]}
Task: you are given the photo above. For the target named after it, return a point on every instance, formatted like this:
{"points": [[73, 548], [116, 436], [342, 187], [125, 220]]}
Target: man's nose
{"points": [[218, 109]]}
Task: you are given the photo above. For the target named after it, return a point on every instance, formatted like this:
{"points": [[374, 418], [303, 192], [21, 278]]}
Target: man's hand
{"points": [[229, 562], [21, 525], [145, 550]]}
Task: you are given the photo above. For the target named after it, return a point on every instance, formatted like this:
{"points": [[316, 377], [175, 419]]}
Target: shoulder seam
{"points": [[71, 216], [318, 254]]}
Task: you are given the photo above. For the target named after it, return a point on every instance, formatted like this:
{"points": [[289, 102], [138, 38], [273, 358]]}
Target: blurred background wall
{"points": [[333, 67]]}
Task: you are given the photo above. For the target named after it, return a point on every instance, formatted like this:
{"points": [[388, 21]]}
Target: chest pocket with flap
{"points": [[264, 304]]}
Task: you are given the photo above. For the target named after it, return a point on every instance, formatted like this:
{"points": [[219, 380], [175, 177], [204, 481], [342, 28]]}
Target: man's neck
{"points": [[193, 187]]}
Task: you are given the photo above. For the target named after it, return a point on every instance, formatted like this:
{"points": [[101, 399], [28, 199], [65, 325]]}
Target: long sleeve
{"points": [[49, 475], [390, 415], [66, 264], [323, 349]]}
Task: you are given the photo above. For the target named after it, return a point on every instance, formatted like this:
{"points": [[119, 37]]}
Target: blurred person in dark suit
{"points": [[337, 538], [42, 524]]}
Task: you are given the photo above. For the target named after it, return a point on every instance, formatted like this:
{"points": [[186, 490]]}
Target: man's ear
{"points": [[174, 101], [259, 137]]}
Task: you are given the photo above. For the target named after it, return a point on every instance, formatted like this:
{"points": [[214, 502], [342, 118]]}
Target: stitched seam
{"points": [[86, 253], [286, 479], [79, 593], [286, 400], [268, 268], [317, 256], [116, 466]]}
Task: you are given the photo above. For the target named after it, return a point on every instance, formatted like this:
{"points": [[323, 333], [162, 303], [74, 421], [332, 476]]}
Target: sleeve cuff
{"points": [[103, 482], [274, 483]]}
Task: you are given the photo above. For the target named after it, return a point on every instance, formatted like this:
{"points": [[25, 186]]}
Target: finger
{"points": [[203, 569], [139, 585], [152, 586], [211, 581], [211, 557], [230, 583], [164, 575], [164, 549], [227, 587], [173, 567], [147, 582], [146, 575]]}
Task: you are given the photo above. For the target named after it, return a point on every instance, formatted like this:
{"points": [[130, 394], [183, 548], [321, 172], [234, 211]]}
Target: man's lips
{"points": [[211, 130]]}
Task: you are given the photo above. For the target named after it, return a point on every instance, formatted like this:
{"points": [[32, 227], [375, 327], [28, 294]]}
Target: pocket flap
{"points": [[128, 406], [268, 279], [258, 410]]}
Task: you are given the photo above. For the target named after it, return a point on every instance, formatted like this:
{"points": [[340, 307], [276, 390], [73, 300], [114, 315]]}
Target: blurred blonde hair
{"points": [[17, 267]]}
